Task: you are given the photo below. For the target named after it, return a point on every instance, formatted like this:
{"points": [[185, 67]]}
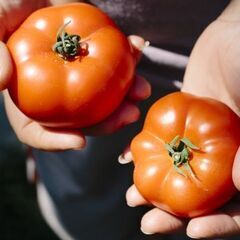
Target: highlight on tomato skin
{"points": [[73, 66], [183, 156]]}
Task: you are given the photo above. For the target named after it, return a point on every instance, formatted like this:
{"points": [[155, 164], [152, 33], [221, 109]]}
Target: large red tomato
{"points": [[184, 155], [73, 66]]}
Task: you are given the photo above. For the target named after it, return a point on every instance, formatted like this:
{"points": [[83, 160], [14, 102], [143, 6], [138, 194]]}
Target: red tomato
{"points": [[81, 81], [184, 155]]}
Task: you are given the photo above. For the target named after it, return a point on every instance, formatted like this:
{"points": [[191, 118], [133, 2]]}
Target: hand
{"points": [[221, 223], [35, 135], [12, 13], [213, 71], [31, 132], [214, 67]]}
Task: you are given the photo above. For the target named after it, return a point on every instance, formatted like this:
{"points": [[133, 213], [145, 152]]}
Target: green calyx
{"points": [[180, 151], [67, 46]]}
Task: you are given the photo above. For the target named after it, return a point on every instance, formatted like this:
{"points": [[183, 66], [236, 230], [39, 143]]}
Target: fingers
{"points": [[236, 167], [140, 89], [126, 156], [5, 66], [215, 225], [158, 221], [138, 44], [35, 135], [134, 198], [127, 113]]}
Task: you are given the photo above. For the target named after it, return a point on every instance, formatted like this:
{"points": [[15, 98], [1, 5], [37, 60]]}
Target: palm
{"points": [[213, 71], [214, 66]]}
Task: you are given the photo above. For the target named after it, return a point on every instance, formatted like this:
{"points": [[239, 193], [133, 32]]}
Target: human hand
{"points": [[213, 71], [35, 135], [12, 13], [214, 67], [221, 223], [32, 133]]}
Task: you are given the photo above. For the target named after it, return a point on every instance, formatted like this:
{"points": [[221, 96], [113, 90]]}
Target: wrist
{"points": [[231, 12]]}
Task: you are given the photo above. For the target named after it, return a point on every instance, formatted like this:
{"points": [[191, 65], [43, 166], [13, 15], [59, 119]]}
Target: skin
{"points": [[34, 134], [213, 71], [222, 223]]}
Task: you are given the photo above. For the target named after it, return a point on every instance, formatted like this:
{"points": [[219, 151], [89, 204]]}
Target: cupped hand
{"points": [[12, 13], [221, 223], [214, 67], [213, 71], [35, 135]]}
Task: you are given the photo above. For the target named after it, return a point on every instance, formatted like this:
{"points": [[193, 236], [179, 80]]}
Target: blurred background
{"points": [[20, 217]]}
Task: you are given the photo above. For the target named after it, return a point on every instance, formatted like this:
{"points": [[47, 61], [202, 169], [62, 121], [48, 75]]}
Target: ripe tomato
{"points": [[184, 155], [74, 82]]}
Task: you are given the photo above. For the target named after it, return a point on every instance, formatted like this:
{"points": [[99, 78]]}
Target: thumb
{"points": [[6, 67], [236, 172]]}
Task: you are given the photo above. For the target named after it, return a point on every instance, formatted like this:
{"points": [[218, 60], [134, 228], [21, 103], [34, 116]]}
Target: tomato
{"points": [[184, 155], [78, 81]]}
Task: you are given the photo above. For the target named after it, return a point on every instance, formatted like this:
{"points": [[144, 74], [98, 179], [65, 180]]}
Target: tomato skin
{"points": [[208, 124], [70, 93]]}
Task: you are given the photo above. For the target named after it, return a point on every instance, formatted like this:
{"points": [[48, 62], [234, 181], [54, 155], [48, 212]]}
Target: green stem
{"points": [[67, 46], [180, 150]]}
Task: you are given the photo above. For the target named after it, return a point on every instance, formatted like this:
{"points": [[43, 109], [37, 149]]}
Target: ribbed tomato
{"points": [[73, 66], [184, 155]]}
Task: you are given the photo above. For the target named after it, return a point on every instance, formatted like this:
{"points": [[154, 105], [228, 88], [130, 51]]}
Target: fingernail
{"points": [[125, 158], [146, 44], [143, 45], [146, 232]]}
